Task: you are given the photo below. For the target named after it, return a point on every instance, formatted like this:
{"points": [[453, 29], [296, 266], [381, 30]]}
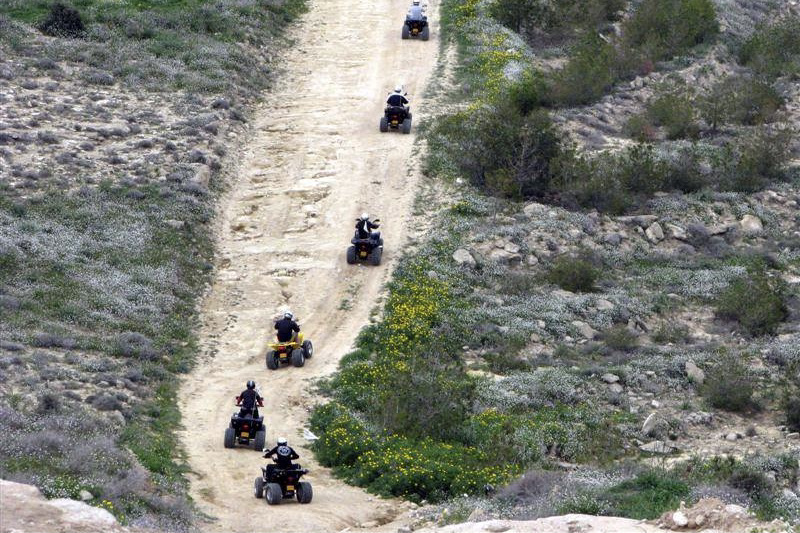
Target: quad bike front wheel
{"points": [[258, 487], [308, 349], [304, 492], [407, 125], [230, 438], [375, 256], [274, 493], [272, 361], [405, 33], [384, 127], [259, 441], [298, 359], [351, 251]]}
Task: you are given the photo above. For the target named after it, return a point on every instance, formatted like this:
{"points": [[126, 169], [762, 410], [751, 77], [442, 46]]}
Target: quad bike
{"points": [[416, 28], [293, 352], [369, 249], [248, 430], [275, 484], [396, 117]]}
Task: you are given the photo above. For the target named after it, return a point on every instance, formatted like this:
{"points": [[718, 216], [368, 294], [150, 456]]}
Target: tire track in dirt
{"points": [[316, 160]]}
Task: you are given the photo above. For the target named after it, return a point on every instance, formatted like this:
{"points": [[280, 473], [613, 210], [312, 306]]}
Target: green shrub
{"points": [[574, 274], [756, 160], [671, 333], [773, 50], [756, 484], [63, 21], [740, 100], [648, 495], [592, 70], [674, 111], [620, 338], [729, 384], [640, 128], [791, 410], [557, 18], [661, 29], [756, 302]]}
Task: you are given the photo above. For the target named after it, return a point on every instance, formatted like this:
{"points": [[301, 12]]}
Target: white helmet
{"points": [[364, 216], [288, 314], [282, 441], [398, 89]]}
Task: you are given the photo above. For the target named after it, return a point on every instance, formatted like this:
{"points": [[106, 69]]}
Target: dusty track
{"points": [[315, 162]]}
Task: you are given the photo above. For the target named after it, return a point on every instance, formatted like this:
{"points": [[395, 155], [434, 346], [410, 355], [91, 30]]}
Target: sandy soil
{"points": [[316, 160]]}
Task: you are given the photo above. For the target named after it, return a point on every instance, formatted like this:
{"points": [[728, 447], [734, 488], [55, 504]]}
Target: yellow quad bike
{"points": [[295, 352]]}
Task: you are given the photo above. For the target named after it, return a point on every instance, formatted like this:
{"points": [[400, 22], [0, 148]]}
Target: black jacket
{"points": [[284, 455], [397, 99], [285, 327], [248, 399], [365, 227]]}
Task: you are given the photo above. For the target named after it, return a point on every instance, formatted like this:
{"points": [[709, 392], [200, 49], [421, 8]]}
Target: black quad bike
{"points": [[292, 352], [275, 484], [416, 28], [396, 117], [247, 430], [369, 249]]}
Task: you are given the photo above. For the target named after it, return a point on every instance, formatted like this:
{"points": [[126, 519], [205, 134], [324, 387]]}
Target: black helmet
{"points": [[251, 384]]}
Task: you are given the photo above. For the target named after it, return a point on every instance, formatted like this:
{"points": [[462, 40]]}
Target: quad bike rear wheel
{"points": [[407, 125], [258, 487], [425, 34], [351, 251], [304, 492], [259, 440], [274, 493], [308, 349], [230, 438], [375, 256], [384, 124], [298, 359], [272, 361], [405, 33]]}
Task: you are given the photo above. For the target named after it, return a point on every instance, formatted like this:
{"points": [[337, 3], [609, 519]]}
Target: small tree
{"points": [[63, 21]]}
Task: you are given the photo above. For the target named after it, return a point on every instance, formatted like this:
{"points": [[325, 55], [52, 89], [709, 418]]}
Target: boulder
{"points": [[464, 257], [657, 446], [680, 519], [503, 257], [694, 373], [676, 232], [610, 378], [654, 233], [651, 425], [584, 329], [751, 225]]}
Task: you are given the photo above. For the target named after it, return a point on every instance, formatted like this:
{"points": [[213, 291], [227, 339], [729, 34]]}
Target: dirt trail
{"points": [[315, 162]]}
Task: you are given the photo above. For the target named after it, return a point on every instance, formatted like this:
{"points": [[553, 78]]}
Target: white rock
{"points": [[657, 446], [654, 232], [464, 257], [511, 248], [731, 436], [694, 373], [85, 495], [732, 508], [584, 329], [751, 225], [650, 424], [676, 232], [680, 519], [610, 378], [603, 305], [616, 388], [532, 260]]}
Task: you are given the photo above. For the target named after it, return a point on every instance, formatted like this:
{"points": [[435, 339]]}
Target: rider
{"points": [[364, 227], [249, 401], [416, 11], [284, 454], [288, 330], [397, 98]]}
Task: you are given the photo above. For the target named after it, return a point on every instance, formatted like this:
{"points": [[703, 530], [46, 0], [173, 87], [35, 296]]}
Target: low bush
{"points": [[557, 19], [661, 29], [729, 384], [773, 49], [739, 100], [756, 303], [574, 274], [754, 161], [592, 70], [63, 21], [648, 495], [674, 111], [620, 338], [791, 410]]}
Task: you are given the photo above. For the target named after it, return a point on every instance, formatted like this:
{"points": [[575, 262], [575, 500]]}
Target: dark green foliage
{"points": [[756, 302], [661, 29], [756, 484], [773, 50], [755, 160], [574, 274], [619, 338], [63, 21], [501, 150], [740, 100], [592, 70], [791, 410], [674, 111], [648, 495], [532, 17], [729, 384]]}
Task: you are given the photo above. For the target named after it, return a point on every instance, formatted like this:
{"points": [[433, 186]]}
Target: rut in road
{"points": [[316, 161]]}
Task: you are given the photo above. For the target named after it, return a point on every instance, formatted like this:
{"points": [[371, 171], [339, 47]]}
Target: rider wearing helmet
{"points": [[249, 401], [288, 330], [416, 11], [364, 227], [397, 98], [284, 454]]}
